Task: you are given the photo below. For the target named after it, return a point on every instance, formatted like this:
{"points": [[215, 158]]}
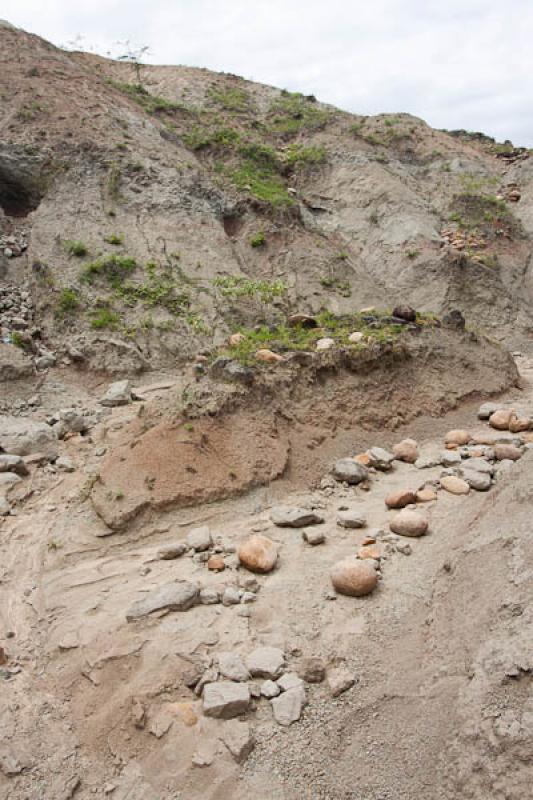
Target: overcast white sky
{"points": [[455, 63]]}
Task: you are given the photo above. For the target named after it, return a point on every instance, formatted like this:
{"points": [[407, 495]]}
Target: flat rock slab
{"points": [[265, 662], [225, 699], [20, 436], [288, 706], [288, 517], [351, 518], [179, 596], [349, 471]]}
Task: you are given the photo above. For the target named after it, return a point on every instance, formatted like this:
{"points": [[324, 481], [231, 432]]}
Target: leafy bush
{"points": [[297, 155], [114, 239], [232, 99], [112, 268], [76, 248], [265, 291], [258, 239], [104, 318], [68, 302], [293, 112]]}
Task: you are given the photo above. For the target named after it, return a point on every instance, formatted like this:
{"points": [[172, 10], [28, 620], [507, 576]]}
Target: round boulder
{"points": [[454, 485], [348, 470], [501, 419], [458, 437], [519, 424], [268, 356], [409, 523], [353, 577], [258, 554], [400, 499], [406, 450], [507, 451], [404, 312]]}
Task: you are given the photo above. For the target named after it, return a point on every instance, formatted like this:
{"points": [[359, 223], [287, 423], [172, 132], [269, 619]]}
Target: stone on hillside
{"points": [[171, 551], [478, 465], [312, 669], [231, 666], [289, 681], [268, 356], [178, 596], [480, 481], [7, 480], [314, 536], [449, 458], [270, 689], [225, 699], [216, 563], [209, 596], [408, 523], [16, 464], [406, 450], [426, 495], [235, 339], [325, 344], [14, 364], [117, 394], [487, 409], [302, 320], [400, 498], [500, 419], [458, 436], [353, 577], [231, 596], [340, 679], [5, 508], [20, 436], [519, 424], [348, 470], [289, 517], [265, 662], [65, 464], [70, 421], [356, 337], [351, 518], [406, 313], [380, 459], [238, 738], [454, 485], [507, 451], [199, 539], [426, 462], [287, 707], [258, 554]]}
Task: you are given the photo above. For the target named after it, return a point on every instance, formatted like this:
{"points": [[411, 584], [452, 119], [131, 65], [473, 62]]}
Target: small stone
{"points": [[231, 596], [289, 681], [348, 470], [500, 419], [426, 462], [16, 464], [248, 597], [450, 458], [362, 458], [325, 344], [459, 437], [312, 670], [353, 577], [454, 485], [118, 394], [404, 548], [406, 313], [351, 518], [507, 451], [369, 551], [209, 596], [225, 699], [406, 450], [478, 465], [65, 464], [340, 679], [400, 498], [237, 736], [199, 538], [486, 410], [426, 495], [265, 662], [380, 459], [270, 689], [288, 706], [356, 337], [235, 339], [172, 551], [258, 554], [480, 481], [178, 596], [314, 537], [231, 666], [268, 356], [288, 517], [408, 523], [216, 563], [302, 320]]}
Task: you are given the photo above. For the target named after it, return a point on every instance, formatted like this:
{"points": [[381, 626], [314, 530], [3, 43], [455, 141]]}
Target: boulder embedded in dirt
{"points": [[172, 551], [340, 679], [20, 436], [507, 451], [454, 485], [231, 666], [409, 523], [519, 424], [265, 662], [406, 450], [487, 409], [14, 364], [353, 577], [117, 394], [478, 464], [178, 596], [200, 539], [500, 419], [325, 344], [11, 463], [349, 471], [379, 458], [426, 495], [258, 554], [314, 536], [312, 669], [268, 356], [291, 517], [459, 437], [356, 337], [449, 458], [351, 518], [225, 699], [238, 738], [480, 481], [406, 313], [288, 706], [400, 498]]}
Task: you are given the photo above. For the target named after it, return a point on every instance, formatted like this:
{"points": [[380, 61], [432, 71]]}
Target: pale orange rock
{"points": [[454, 485], [216, 563], [268, 356], [451, 445], [400, 499], [362, 458], [501, 419], [353, 577], [235, 339], [458, 437], [507, 451], [408, 523], [369, 551], [368, 540], [258, 554], [519, 424], [406, 450], [425, 495]]}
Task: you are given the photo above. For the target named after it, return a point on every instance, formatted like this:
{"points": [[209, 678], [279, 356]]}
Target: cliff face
{"points": [[162, 208]]}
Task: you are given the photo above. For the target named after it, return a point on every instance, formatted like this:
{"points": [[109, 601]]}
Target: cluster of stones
{"points": [[463, 240], [14, 244], [511, 192], [16, 311]]}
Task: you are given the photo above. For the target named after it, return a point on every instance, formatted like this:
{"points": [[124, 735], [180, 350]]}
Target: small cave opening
{"points": [[19, 192], [232, 224]]}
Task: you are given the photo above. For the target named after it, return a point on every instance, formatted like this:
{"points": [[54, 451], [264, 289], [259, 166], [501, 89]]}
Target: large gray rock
{"points": [[351, 518], [265, 662], [478, 465], [7, 480], [480, 481], [14, 364], [118, 394], [380, 459], [9, 463], [288, 706], [238, 738], [225, 699], [200, 538], [450, 458], [20, 436], [288, 517], [179, 596], [231, 666], [348, 470]]}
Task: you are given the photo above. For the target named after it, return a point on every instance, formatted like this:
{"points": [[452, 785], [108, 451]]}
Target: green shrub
{"points": [[114, 239], [104, 318], [232, 99], [112, 268], [293, 112], [76, 248], [258, 239], [68, 302], [265, 291], [297, 155]]}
